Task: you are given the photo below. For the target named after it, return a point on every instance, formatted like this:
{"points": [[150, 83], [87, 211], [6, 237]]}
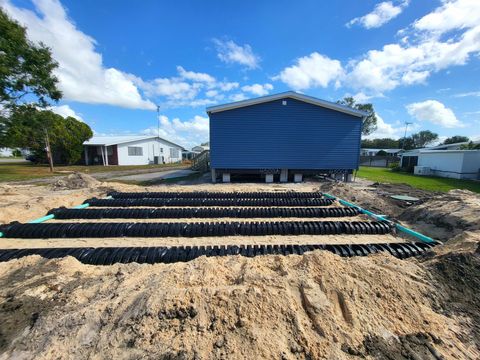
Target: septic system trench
{"points": [[236, 214]]}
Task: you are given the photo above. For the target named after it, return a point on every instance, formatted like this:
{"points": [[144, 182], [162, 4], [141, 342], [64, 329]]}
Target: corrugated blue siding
{"points": [[298, 135]]}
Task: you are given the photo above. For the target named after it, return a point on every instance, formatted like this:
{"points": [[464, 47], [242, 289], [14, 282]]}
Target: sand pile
{"points": [[440, 215], [296, 307], [446, 215], [370, 200], [26, 202], [76, 180]]}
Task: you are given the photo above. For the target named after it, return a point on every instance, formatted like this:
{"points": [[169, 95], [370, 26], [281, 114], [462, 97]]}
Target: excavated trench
{"points": [[199, 205]]}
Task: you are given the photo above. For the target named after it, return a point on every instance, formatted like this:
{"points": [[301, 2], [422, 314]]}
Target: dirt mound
{"points": [[297, 307], [26, 202], [447, 215], [75, 181], [367, 199]]}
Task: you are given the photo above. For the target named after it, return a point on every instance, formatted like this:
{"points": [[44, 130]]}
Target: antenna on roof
{"points": [[158, 120]]}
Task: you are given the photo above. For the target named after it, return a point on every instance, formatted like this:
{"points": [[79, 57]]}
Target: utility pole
{"points": [[405, 134], [158, 120], [48, 150]]}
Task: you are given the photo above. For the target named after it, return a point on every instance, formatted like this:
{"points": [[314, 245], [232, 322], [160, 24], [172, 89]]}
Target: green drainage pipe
{"points": [[404, 229], [51, 216]]}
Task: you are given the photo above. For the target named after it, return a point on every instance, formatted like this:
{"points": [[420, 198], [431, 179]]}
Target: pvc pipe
{"points": [[402, 228], [81, 206], [52, 216], [42, 219]]}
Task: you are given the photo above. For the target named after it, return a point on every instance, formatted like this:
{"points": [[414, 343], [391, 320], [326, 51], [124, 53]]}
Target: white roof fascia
{"points": [[129, 140], [288, 94]]}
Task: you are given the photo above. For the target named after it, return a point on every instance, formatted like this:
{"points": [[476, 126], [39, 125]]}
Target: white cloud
{"points": [[195, 76], [362, 97], [258, 89], [81, 72], [410, 61], [457, 14], [212, 93], [310, 71], [238, 97], [385, 130], [188, 89], [186, 133], [381, 14], [65, 111], [230, 52], [435, 112], [172, 88], [413, 62], [470, 93], [395, 65], [228, 86]]}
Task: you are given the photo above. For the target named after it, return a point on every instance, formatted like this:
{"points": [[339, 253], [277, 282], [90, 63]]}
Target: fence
{"points": [[378, 161]]}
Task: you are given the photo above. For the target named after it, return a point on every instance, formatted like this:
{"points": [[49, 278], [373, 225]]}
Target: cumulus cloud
{"points": [[427, 49], [435, 112], [258, 89], [230, 52], [81, 72], [412, 63], [310, 71], [65, 111], [228, 86], [381, 14], [187, 133], [195, 76], [394, 130], [385, 130], [459, 14], [186, 89], [238, 97]]}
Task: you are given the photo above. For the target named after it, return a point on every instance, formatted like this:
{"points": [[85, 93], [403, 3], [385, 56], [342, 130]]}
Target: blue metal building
{"points": [[288, 134]]}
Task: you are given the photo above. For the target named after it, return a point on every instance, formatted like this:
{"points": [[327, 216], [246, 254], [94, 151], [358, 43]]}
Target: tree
{"points": [[385, 143], [423, 138], [456, 139], [28, 127], [470, 146], [25, 68], [67, 139], [418, 140], [407, 143], [370, 122]]}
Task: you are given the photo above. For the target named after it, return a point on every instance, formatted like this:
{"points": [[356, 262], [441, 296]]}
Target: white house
{"points": [[374, 152], [445, 161], [457, 164], [130, 150], [200, 148]]}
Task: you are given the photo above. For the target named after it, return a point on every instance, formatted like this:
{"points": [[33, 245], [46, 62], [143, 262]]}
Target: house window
{"points": [[135, 151], [173, 153], [161, 150]]}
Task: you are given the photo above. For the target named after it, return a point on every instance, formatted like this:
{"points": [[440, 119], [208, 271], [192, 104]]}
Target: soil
{"points": [[75, 181], [314, 306]]}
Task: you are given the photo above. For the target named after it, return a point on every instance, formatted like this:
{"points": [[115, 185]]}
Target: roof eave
{"points": [[290, 94]]}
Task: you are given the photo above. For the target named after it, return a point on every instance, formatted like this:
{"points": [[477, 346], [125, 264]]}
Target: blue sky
{"points": [[415, 60]]}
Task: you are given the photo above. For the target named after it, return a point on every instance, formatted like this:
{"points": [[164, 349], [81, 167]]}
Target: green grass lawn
{"points": [[28, 171], [432, 183]]}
